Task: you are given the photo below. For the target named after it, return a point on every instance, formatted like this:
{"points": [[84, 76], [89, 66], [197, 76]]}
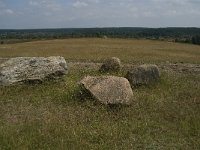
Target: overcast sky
{"points": [[18, 14]]}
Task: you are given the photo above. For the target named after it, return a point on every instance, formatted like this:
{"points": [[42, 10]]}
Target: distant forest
{"points": [[186, 35]]}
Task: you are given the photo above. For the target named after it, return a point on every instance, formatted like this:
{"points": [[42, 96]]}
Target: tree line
{"points": [[186, 35]]}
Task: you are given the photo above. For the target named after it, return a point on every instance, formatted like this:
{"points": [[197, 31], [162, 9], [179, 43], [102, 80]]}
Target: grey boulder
{"points": [[108, 89], [111, 65], [143, 75], [31, 69]]}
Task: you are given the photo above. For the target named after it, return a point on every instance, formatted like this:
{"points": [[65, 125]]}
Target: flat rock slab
{"points": [[108, 89], [31, 69]]}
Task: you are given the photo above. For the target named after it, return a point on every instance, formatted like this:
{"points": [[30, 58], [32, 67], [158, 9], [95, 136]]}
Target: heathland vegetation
{"points": [[60, 115]]}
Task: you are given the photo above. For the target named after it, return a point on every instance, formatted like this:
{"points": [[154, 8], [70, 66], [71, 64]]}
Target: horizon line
{"points": [[49, 28]]}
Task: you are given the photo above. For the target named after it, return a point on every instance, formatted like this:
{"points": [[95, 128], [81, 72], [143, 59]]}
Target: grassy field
{"points": [[135, 51], [57, 115]]}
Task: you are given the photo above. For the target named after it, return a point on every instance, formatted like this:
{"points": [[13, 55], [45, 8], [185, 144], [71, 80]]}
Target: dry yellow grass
{"points": [[96, 49], [60, 115]]}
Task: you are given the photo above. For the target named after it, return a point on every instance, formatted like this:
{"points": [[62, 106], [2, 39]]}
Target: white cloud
{"points": [[99, 13], [84, 3], [34, 3], [92, 1], [9, 11], [46, 5], [4, 10], [79, 4]]}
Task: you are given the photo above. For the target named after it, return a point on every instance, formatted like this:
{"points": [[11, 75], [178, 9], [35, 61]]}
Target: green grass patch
{"points": [[53, 115]]}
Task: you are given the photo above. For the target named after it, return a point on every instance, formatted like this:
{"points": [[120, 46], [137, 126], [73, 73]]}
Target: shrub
{"points": [[196, 39]]}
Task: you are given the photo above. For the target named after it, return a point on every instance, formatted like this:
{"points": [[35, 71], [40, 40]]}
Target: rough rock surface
{"points": [[31, 69], [111, 65], [143, 75], [109, 89]]}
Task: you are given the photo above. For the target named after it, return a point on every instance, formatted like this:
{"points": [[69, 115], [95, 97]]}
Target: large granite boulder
{"points": [[31, 69], [108, 89], [143, 75], [111, 65]]}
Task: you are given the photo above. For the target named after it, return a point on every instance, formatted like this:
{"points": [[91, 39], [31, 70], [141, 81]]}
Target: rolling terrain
{"points": [[97, 49], [59, 115]]}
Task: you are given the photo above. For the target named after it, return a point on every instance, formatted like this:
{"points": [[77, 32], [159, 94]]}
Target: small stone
{"points": [[111, 65]]}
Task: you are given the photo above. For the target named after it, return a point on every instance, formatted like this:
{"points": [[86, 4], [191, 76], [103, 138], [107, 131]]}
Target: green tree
{"points": [[196, 39]]}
